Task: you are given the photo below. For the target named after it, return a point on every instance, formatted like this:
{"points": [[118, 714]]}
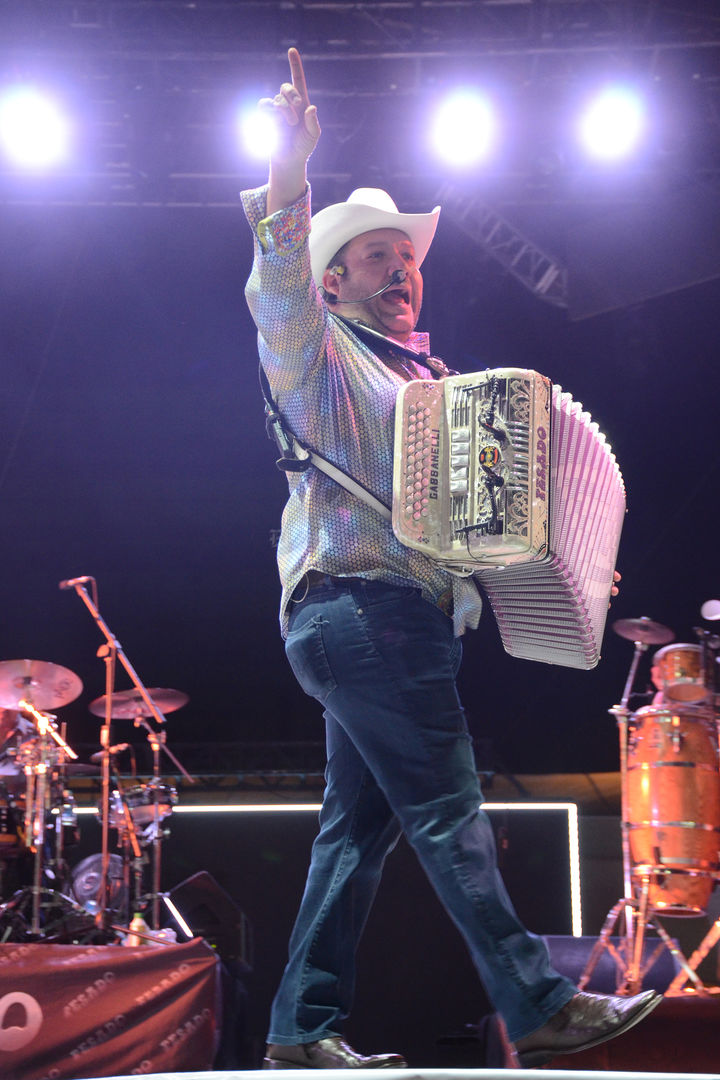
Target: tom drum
{"points": [[141, 803]]}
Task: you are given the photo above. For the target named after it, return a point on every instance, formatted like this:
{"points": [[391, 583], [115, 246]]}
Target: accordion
{"points": [[500, 474]]}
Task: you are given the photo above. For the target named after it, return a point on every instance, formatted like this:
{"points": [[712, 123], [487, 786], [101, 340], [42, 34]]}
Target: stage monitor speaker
{"points": [[213, 915], [570, 956]]}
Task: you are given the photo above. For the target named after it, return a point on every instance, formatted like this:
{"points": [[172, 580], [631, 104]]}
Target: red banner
{"points": [[72, 1011]]}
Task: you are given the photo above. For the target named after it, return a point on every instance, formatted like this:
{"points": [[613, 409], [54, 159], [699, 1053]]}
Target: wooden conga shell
{"points": [[682, 675], [673, 795]]}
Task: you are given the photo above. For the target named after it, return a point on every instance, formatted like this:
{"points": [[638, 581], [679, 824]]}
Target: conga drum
{"points": [[673, 805], [681, 673]]}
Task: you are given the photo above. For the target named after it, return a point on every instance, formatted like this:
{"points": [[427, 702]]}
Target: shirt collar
{"points": [[418, 341]]}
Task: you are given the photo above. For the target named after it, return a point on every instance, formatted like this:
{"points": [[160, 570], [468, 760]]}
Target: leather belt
{"points": [[313, 579]]}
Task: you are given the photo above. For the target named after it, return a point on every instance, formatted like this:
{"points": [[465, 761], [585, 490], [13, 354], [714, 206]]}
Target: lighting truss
{"points": [[157, 80], [545, 276]]}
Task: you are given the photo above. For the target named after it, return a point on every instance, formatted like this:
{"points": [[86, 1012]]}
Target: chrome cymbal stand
{"points": [[42, 755], [158, 745], [628, 963]]}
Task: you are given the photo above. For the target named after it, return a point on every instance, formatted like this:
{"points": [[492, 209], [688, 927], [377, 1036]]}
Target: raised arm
{"points": [[298, 132]]}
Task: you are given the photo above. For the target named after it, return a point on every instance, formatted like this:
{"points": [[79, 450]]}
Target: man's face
{"points": [[369, 260]]}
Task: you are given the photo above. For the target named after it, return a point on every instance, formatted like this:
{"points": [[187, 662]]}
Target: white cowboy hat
{"points": [[365, 209]]}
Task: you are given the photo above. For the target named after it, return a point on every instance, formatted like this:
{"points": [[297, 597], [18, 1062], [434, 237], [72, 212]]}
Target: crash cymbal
{"points": [[45, 685], [127, 704], [643, 630]]}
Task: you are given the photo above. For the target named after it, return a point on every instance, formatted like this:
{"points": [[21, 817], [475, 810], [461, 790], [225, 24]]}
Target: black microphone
{"points": [[73, 581], [97, 758], [396, 278]]}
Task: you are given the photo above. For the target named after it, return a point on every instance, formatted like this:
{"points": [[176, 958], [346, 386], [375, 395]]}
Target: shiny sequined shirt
{"points": [[338, 397]]}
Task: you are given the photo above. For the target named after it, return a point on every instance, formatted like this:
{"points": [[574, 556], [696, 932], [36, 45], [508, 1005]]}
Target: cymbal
{"points": [[127, 704], [643, 630], [45, 685]]}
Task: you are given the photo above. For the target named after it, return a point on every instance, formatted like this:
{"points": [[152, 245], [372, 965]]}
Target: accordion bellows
{"points": [[502, 475]]}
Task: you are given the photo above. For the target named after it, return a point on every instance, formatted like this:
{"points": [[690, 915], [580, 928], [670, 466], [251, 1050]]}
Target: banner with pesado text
{"points": [[73, 1011]]}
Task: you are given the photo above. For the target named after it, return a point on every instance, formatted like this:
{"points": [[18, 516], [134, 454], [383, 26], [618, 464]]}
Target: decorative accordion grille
{"points": [[503, 475]]}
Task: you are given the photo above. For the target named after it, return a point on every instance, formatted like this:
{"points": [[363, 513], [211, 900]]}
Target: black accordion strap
{"points": [[295, 457], [385, 348]]}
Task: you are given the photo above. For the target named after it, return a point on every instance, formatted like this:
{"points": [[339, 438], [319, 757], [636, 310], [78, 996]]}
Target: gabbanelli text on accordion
{"points": [[502, 475]]}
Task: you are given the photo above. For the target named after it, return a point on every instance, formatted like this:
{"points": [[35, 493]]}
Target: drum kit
{"points": [[670, 804], [38, 816]]}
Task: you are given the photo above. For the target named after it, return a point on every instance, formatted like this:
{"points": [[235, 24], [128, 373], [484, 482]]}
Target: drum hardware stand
{"points": [[622, 715], [710, 939], [110, 653], [158, 743], [642, 632], [628, 958], [36, 790], [709, 643], [129, 840]]}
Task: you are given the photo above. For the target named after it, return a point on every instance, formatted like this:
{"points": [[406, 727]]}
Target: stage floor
{"points": [[432, 1074]]}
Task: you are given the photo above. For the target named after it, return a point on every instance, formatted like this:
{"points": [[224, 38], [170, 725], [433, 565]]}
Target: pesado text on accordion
{"points": [[500, 474]]}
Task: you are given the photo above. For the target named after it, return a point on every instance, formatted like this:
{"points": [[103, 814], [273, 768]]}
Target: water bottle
{"points": [[137, 924]]}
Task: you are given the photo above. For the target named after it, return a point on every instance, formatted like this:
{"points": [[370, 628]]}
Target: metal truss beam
{"points": [[543, 275]]}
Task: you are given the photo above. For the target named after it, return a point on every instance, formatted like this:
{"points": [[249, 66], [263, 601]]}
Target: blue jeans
{"points": [[383, 661]]}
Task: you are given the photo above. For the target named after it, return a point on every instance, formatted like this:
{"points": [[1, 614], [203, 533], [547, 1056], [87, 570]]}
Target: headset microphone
{"points": [[396, 278]]}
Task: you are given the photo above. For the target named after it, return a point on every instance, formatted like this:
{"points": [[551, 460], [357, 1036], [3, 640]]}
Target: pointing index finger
{"points": [[298, 75]]}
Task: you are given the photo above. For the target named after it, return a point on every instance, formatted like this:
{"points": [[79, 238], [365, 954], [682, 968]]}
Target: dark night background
{"points": [[132, 442]]}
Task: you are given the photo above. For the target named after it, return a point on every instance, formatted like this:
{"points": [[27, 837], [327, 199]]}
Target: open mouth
{"points": [[398, 296]]}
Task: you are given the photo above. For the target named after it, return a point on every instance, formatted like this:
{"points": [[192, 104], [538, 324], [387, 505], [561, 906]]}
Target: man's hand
{"points": [[298, 131]]}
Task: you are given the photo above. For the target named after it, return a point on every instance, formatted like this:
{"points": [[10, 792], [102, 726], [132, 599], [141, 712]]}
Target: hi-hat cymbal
{"points": [[643, 630], [127, 704], [45, 685]]}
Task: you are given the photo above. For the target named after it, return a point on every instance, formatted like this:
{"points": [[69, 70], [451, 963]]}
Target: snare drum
{"points": [[673, 786], [141, 803], [681, 673]]}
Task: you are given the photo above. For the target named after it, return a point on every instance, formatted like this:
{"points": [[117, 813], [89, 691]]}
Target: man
{"points": [[372, 628]]}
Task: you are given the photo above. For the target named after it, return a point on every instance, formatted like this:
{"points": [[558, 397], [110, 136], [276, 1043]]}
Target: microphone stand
{"points": [[111, 653]]}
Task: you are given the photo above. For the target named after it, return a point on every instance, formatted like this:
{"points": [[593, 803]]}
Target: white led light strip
{"points": [[304, 808]]}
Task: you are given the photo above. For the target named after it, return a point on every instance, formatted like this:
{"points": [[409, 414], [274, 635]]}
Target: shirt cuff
{"points": [[286, 230]]}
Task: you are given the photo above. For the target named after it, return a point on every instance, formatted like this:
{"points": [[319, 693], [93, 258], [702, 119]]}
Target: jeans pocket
{"points": [[305, 649]]}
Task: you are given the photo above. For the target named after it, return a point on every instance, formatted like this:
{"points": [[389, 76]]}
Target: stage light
{"points": [[34, 132], [463, 129], [257, 133], [612, 124]]}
